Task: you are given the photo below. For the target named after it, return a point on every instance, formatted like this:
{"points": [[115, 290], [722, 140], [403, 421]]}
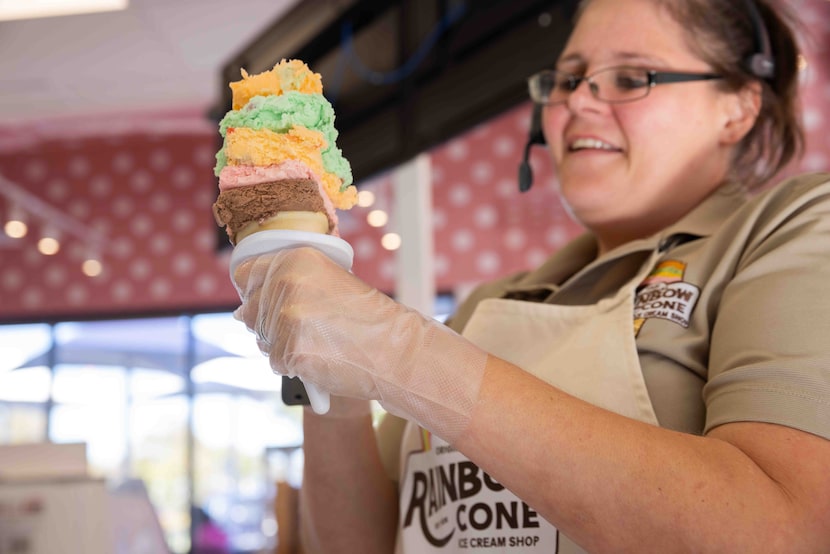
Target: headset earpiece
{"points": [[761, 64]]}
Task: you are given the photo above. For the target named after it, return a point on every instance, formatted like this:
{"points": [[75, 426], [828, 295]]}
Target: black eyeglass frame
{"points": [[654, 78]]}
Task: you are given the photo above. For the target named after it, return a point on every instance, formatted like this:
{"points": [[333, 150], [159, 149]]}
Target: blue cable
{"points": [[349, 56]]}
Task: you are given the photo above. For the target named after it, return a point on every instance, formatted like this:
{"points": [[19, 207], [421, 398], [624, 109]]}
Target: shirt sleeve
{"points": [[770, 345]]}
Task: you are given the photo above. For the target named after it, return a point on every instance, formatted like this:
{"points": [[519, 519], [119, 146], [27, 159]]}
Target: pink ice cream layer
{"points": [[248, 175]]}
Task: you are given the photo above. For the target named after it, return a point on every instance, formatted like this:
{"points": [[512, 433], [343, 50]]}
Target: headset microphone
{"points": [[536, 137]]}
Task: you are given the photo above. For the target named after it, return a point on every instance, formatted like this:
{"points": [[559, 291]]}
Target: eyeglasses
{"points": [[613, 85]]}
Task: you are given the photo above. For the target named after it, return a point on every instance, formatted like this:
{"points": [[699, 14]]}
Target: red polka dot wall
{"points": [[135, 193]]}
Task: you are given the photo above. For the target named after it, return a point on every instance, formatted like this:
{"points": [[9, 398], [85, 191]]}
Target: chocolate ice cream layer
{"points": [[238, 207]]}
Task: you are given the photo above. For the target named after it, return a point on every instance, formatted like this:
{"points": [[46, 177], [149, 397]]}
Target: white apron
{"points": [[449, 505]]}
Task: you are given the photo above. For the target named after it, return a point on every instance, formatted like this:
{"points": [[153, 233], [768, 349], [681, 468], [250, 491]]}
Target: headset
{"points": [[760, 64]]}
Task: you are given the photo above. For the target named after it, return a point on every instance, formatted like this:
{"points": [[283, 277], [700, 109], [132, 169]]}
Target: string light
{"points": [[53, 221], [377, 218], [92, 267], [15, 229], [48, 246], [15, 226], [365, 198], [391, 241]]}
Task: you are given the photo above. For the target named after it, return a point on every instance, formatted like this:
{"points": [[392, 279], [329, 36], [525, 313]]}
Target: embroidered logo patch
{"points": [[664, 295]]}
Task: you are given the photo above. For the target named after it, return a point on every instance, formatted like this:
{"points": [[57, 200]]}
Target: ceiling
{"points": [[155, 55]]}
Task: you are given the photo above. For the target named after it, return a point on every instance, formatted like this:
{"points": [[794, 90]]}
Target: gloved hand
{"points": [[321, 323]]}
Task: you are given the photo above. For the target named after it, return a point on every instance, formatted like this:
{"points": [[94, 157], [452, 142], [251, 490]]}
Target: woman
{"points": [[661, 384]]}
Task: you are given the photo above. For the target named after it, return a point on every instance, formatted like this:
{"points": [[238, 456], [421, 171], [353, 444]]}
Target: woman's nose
{"points": [[583, 97]]}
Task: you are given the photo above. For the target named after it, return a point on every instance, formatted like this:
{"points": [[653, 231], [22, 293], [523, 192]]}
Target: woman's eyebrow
{"points": [[620, 56]]}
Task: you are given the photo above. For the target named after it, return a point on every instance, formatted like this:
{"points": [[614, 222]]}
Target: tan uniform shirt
{"points": [[734, 322]]}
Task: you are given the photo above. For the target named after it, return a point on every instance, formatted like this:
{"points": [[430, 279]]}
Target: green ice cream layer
{"points": [[279, 114]]}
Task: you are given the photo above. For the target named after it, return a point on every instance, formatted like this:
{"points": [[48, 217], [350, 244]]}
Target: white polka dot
{"points": [[439, 218], [77, 294], [36, 170], [100, 186], [57, 190], [182, 177], [457, 150], [122, 207], [122, 247], [506, 188], [522, 121], [55, 276], [141, 181], [462, 240], [121, 291], [140, 269], [365, 248], [504, 146], [32, 298], [122, 162], [79, 208], [32, 257], [536, 257], [160, 202], [204, 199], [813, 119], [387, 269], [183, 221], [816, 162], [204, 156], [485, 216], [205, 285], [556, 237], [206, 240], [438, 174], [514, 238], [141, 225], [160, 288], [442, 265], [460, 195], [482, 172], [160, 160], [488, 262], [160, 244], [12, 279], [183, 264], [78, 167]]}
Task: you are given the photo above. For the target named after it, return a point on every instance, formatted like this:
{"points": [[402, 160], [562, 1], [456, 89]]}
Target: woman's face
{"points": [[628, 170]]}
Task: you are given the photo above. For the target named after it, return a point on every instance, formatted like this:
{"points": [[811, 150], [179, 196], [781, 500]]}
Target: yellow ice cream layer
{"points": [[244, 146], [285, 76]]}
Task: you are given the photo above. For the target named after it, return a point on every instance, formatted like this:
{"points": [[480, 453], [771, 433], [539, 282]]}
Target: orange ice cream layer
{"points": [[244, 146], [285, 76]]}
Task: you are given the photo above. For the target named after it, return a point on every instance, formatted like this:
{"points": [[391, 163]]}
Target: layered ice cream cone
{"points": [[279, 166], [279, 169]]}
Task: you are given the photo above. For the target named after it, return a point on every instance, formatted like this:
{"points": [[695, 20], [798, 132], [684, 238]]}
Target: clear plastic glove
{"points": [[324, 325]]}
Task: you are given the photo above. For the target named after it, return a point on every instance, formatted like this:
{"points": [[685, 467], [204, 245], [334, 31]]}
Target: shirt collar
{"points": [[576, 257]]}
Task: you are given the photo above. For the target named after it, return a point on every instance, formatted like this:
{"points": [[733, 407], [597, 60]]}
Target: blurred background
{"points": [[117, 341]]}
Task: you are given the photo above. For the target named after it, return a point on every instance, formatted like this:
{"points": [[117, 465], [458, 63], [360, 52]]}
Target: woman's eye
{"points": [[628, 82]]}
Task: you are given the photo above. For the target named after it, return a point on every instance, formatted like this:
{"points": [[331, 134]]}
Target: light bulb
{"points": [[48, 246], [377, 218], [16, 229]]}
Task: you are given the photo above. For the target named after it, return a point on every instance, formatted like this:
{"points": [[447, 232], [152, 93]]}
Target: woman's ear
{"points": [[741, 109]]}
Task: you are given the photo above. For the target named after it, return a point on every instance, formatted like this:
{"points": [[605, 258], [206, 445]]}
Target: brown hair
{"points": [[723, 34]]}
